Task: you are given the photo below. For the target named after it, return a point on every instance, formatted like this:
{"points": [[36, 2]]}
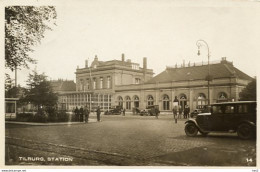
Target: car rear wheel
{"points": [[245, 131], [191, 130]]}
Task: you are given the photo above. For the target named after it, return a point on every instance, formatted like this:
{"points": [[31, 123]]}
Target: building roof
{"points": [[224, 69], [63, 85]]}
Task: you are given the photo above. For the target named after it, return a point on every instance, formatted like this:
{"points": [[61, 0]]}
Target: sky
{"points": [[164, 31]]}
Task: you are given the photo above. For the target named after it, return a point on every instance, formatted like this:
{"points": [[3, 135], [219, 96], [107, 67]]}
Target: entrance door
{"points": [[136, 104], [183, 101]]}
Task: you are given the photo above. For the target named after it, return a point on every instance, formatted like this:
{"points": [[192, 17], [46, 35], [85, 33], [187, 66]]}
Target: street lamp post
{"points": [[199, 44]]}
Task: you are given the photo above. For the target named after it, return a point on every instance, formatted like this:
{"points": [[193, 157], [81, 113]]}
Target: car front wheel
{"points": [[245, 131], [191, 130]]}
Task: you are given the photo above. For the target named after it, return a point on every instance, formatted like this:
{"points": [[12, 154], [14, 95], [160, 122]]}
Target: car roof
{"points": [[239, 102]]}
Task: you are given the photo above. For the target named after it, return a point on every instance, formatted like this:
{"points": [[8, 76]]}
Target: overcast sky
{"points": [[163, 31]]}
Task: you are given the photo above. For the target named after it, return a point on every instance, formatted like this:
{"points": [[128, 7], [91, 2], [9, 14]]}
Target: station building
{"points": [[124, 83], [96, 84], [187, 85]]}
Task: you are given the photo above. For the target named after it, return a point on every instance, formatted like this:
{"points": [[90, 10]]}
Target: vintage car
{"points": [[143, 112], [114, 111], [237, 117], [150, 110]]}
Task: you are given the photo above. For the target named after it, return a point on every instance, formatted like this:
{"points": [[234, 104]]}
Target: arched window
{"points": [[120, 101], [166, 102], [128, 103], [222, 97], [201, 101], [136, 101], [150, 100]]}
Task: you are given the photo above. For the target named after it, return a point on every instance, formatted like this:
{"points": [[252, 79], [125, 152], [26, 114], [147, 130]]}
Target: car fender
{"points": [[247, 122], [195, 122]]}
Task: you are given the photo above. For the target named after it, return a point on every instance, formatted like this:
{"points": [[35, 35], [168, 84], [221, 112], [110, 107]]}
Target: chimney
{"points": [[223, 60], [145, 63], [96, 58], [86, 63], [123, 57]]}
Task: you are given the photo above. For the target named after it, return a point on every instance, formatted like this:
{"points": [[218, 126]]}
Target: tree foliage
{"points": [[249, 93], [8, 82], [10, 89], [24, 28], [39, 91]]}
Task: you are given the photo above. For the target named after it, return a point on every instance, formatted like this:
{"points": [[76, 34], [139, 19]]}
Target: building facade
{"points": [[186, 85], [96, 84], [121, 82]]}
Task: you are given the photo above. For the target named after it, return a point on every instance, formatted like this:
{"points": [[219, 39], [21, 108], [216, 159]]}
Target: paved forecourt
{"points": [[134, 140]]}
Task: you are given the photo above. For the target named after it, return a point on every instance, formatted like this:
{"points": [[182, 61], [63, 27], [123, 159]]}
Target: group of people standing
{"points": [[178, 110], [82, 114]]}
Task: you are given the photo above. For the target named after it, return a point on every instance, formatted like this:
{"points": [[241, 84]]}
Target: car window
{"points": [[217, 109], [229, 109], [242, 108]]}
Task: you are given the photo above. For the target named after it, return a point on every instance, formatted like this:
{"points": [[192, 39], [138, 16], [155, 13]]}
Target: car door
{"points": [[230, 117], [216, 118]]}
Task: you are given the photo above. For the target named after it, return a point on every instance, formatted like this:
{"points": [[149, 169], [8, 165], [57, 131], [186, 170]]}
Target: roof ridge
{"points": [[233, 72]]}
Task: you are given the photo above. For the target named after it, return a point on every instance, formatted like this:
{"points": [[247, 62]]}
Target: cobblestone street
{"points": [[126, 140]]}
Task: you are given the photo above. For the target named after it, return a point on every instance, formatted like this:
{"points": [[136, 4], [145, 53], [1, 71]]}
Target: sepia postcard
{"points": [[129, 84]]}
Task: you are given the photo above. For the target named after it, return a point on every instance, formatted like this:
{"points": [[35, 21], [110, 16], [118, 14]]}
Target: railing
{"points": [[203, 63]]}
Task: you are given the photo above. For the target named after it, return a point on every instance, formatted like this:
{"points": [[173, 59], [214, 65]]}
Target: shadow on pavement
{"points": [[209, 156]]}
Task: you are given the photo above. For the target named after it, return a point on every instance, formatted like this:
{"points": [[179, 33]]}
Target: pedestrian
{"points": [[86, 113], [185, 111], [98, 114], [152, 112], [156, 112], [76, 112], [188, 111], [174, 111], [81, 114], [180, 112], [124, 112]]}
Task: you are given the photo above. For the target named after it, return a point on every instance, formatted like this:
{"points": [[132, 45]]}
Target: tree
{"points": [[39, 91], [8, 82], [10, 90], [24, 28], [249, 93]]}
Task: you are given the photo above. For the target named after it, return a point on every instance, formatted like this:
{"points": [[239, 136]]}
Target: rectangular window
{"points": [[101, 83], [108, 81], [137, 80], [87, 84], [81, 85], [94, 83]]}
